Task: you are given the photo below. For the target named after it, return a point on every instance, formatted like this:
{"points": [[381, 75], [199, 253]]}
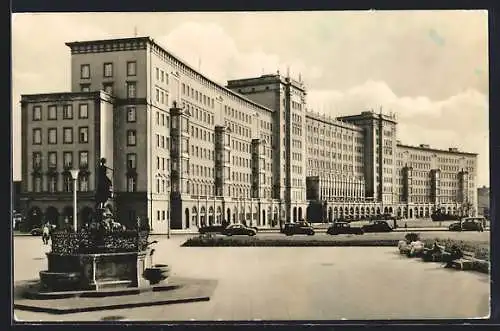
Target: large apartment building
{"points": [[186, 151]]}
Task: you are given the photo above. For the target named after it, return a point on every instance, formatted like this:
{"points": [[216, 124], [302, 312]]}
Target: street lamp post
{"points": [[74, 175]]}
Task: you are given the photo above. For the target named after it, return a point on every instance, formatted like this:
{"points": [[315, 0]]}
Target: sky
{"points": [[430, 68]]}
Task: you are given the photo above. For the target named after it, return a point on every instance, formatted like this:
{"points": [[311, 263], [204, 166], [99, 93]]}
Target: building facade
{"points": [[186, 151], [483, 201]]}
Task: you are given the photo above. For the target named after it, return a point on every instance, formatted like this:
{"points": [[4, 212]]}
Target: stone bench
{"points": [[466, 262]]}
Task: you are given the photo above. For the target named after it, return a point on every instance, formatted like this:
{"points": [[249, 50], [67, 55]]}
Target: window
{"points": [[68, 159], [131, 137], [132, 161], [162, 75], [52, 136], [131, 184], [84, 183], [37, 160], [37, 136], [37, 183], [85, 71], [83, 134], [52, 112], [108, 70], [157, 74], [131, 68], [67, 112], [37, 113], [84, 159], [83, 111], [85, 87], [67, 183], [131, 115], [108, 88], [52, 160], [68, 135], [131, 90]]}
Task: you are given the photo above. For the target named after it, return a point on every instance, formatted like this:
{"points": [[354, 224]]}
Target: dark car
{"points": [[239, 229], [468, 224], [211, 229], [377, 226], [36, 232], [298, 228], [343, 228]]}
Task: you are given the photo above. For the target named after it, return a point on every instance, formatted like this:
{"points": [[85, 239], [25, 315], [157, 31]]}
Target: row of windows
{"points": [[198, 96], [266, 125], [67, 159], [162, 185], [238, 129], [161, 76], [161, 96], [162, 141], [296, 105], [52, 183], [165, 119], [83, 135], [236, 114], [67, 111], [330, 133], [316, 164], [108, 71], [200, 114], [131, 89]]}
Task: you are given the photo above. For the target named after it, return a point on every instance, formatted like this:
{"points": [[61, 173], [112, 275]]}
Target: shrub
{"points": [[276, 242], [412, 236]]}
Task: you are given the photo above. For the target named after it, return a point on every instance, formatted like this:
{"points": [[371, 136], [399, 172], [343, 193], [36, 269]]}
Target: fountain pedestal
{"points": [[94, 271], [87, 261]]}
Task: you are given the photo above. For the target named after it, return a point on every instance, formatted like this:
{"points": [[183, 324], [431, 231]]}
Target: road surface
{"points": [[292, 283]]}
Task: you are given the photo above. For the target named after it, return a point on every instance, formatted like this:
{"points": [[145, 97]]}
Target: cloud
{"points": [[209, 47]]}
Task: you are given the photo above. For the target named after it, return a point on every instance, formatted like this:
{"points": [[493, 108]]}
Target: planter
{"points": [[59, 281], [157, 273]]}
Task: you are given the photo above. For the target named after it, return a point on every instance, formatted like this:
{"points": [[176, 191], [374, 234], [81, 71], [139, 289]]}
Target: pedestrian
{"points": [[45, 234], [406, 226]]}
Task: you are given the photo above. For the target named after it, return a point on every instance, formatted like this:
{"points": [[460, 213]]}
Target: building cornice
{"points": [[429, 149], [141, 43], [332, 121], [66, 96]]}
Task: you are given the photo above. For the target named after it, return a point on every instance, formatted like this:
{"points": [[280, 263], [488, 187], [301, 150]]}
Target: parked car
{"points": [[377, 226], [298, 228], [343, 228], [239, 229], [468, 224], [36, 231], [211, 229]]}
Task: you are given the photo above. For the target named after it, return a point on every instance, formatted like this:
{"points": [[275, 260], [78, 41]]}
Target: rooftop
{"points": [[151, 41]]}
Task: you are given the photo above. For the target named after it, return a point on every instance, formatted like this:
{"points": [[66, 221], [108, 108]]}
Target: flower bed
{"points": [[282, 242], [95, 242]]}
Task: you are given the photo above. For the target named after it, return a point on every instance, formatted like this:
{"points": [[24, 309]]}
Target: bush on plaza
{"points": [[412, 236], [257, 242]]}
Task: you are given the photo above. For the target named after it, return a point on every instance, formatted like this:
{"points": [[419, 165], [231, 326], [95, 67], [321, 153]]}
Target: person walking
{"points": [[45, 234]]}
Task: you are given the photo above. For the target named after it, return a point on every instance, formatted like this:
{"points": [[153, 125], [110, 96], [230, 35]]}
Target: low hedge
{"points": [[283, 242]]}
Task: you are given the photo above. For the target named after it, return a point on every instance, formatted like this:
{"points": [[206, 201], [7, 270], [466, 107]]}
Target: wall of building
{"points": [[483, 201], [357, 159]]}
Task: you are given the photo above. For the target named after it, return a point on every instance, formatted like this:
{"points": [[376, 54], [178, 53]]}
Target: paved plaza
{"points": [[291, 283]]}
